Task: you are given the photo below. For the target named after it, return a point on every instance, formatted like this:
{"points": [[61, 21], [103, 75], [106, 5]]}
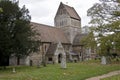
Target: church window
{"points": [[50, 59], [61, 23], [45, 47]]}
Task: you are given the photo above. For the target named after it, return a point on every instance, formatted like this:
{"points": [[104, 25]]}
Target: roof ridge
{"points": [[51, 49], [45, 25], [74, 12], [41, 24]]}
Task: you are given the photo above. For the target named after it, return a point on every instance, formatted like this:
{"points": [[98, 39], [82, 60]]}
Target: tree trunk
{"points": [[108, 56], [18, 60]]}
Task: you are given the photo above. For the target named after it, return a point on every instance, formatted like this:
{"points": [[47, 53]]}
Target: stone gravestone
{"points": [[63, 62], [14, 70], [103, 60], [27, 61]]}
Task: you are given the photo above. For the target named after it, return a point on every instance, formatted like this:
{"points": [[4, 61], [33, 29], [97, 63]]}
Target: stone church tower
{"points": [[68, 20]]}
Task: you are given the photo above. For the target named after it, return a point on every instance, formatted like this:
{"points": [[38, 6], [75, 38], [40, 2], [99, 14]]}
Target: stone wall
{"points": [[70, 26], [14, 61]]}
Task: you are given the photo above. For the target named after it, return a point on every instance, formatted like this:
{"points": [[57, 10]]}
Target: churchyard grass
{"points": [[116, 77], [74, 71]]}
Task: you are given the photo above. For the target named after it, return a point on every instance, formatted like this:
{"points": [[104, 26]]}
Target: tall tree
{"points": [[89, 40], [0, 9], [16, 34], [106, 20]]}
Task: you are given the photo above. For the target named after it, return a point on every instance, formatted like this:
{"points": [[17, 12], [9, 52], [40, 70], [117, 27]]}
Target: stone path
{"points": [[105, 75]]}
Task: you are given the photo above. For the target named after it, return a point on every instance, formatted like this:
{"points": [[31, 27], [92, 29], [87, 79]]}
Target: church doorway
{"points": [[59, 58]]}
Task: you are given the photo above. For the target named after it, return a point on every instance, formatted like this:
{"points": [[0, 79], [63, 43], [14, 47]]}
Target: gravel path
{"points": [[105, 75]]}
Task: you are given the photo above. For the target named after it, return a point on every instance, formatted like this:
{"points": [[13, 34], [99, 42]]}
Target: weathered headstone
{"points": [[27, 62], [63, 62], [103, 60], [14, 70]]}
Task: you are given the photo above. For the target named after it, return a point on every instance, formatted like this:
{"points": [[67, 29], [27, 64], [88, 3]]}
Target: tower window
{"points": [[61, 23]]}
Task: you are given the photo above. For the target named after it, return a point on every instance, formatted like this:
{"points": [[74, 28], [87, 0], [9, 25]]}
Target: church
{"points": [[61, 42]]}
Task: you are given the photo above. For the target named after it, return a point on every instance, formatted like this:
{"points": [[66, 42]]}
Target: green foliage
{"points": [[16, 34], [105, 18], [1, 10], [79, 71], [105, 45], [103, 13], [89, 41]]}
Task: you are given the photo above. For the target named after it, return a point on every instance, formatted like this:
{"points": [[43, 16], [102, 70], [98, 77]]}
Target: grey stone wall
{"points": [[13, 60], [62, 20], [35, 59], [70, 26]]}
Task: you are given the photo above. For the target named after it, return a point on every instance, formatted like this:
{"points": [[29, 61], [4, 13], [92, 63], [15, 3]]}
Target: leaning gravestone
{"points": [[103, 60]]}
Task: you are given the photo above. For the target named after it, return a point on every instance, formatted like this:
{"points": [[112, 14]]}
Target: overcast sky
{"points": [[43, 11]]}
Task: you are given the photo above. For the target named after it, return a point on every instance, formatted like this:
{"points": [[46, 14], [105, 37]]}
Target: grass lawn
{"points": [[74, 71], [116, 77]]}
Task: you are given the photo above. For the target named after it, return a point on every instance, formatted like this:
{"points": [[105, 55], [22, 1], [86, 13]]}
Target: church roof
{"points": [[49, 33], [78, 38], [72, 12], [51, 50]]}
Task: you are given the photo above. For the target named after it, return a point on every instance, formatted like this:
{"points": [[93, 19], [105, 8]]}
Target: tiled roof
{"points": [[50, 34], [51, 50], [78, 38], [71, 11]]}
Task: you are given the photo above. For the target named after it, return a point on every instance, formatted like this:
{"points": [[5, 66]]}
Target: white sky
{"points": [[43, 11]]}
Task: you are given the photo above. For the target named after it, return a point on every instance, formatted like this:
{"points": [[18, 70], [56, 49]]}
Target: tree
{"points": [[17, 37], [105, 19], [89, 40], [110, 1], [0, 10]]}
